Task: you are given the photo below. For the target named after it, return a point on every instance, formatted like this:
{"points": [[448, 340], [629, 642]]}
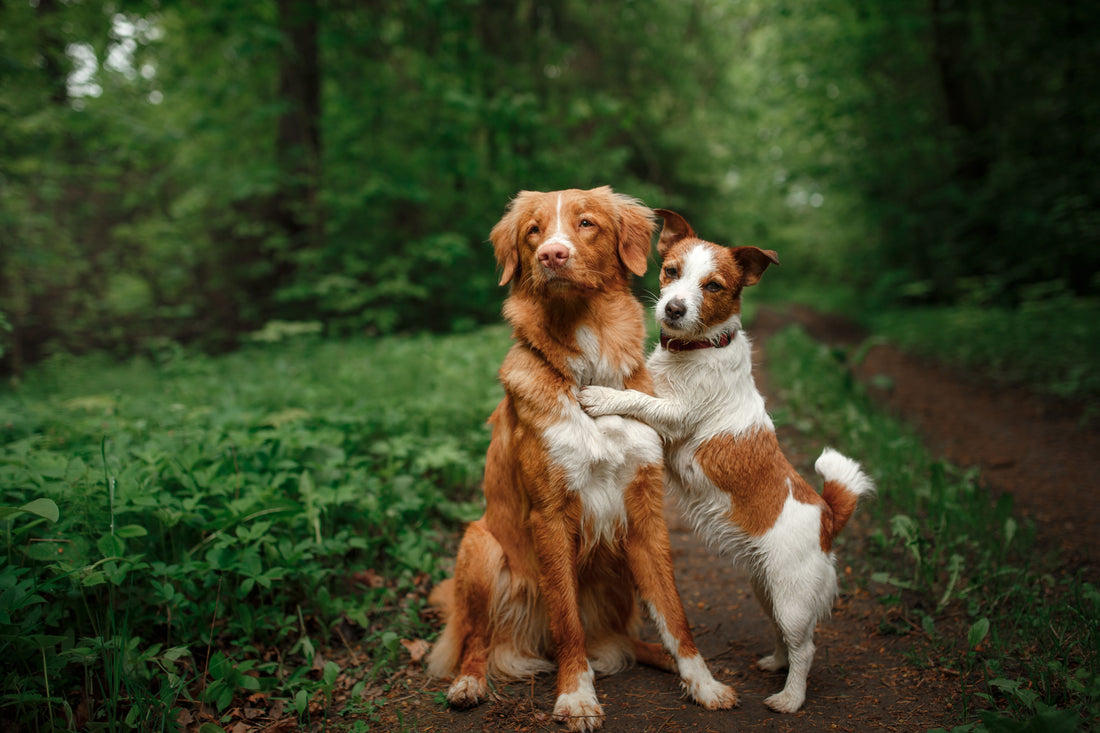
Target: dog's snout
{"points": [[553, 255], [675, 309]]}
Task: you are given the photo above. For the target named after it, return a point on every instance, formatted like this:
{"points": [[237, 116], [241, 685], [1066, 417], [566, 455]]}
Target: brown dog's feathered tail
{"points": [[845, 483], [443, 597]]}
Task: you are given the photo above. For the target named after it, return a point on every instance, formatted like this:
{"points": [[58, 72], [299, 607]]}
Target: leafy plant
{"points": [[201, 529]]}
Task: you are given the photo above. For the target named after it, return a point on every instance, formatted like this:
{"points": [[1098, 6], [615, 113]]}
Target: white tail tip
{"points": [[832, 466]]}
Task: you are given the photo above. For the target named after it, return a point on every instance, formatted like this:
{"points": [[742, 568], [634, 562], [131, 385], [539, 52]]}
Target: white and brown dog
{"points": [[574, 526], [722, 457]]}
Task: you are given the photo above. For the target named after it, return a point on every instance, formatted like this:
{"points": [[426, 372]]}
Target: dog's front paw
{"points": [[713, 695], [596, 400], [467, 691], [702, 687], [580, 711]]}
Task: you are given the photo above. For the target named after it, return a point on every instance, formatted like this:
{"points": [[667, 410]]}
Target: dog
{"points": [[574, 527], [722, 457]]}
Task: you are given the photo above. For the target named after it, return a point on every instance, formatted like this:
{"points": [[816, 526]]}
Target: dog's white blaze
{"points": [[559, 231], [600, 458], [697, 263]]}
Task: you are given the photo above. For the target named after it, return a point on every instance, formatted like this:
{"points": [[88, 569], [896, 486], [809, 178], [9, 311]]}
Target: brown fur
{"points": [[531, 584]]}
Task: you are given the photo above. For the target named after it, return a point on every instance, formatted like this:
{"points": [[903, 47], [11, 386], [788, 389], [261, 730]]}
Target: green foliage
{"points": [[945, 548], [167, 526], [176, 170], [1051, 344]]}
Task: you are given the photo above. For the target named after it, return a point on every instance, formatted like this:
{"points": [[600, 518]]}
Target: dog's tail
{"points": [[845, 482]]}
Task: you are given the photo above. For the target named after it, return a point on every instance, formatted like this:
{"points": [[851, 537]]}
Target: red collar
{"points": [[675, 344]]}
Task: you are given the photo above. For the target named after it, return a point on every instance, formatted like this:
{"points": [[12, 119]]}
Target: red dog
{"points": [[574, 523]]}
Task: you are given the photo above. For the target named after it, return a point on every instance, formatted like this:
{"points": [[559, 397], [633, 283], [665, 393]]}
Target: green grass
{"points": [[200, 529], [1050, 343], [949, 560], [221, 520]]}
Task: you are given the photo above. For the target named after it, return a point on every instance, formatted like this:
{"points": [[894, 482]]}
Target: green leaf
{"points": [[131, 530], [44, 508], [978, 632], [111, 545]]}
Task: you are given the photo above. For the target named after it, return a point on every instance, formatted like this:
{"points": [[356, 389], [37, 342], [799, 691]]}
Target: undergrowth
{"points": [[186, 529], [1018, 629]]}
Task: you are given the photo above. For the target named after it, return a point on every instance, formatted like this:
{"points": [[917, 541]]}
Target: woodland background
{"points": [[191, 173]]}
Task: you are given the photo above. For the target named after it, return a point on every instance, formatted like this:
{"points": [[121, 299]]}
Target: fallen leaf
{"points": [[417, 649]]}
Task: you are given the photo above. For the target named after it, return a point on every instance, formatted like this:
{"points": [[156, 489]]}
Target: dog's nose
{"points": [[553, 256], [675, 309]]}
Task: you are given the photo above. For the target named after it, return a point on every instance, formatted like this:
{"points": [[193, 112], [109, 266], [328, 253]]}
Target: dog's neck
{"points": [[674, 343], [579, 338]]}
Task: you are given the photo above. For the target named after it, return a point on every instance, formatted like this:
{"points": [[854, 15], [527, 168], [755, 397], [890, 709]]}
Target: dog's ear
{"points": [[505, 237], [635, 234], [674, 229], [753, 262]]}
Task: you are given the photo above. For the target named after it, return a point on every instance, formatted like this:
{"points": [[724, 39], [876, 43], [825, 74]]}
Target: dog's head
{"points": [[565, 242], [701, 282]]}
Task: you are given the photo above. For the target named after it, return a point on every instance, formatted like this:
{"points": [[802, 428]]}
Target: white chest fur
{"points": [[600, 456]]}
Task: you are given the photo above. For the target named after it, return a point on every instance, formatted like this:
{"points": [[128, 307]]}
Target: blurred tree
{"points": [[192, 171]]}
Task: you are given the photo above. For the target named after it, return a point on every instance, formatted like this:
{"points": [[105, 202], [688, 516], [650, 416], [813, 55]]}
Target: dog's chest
{"points": [[597, 362], [599, 457]]}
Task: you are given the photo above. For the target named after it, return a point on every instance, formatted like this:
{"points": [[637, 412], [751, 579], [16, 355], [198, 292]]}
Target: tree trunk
{"points": [[298, 137]]}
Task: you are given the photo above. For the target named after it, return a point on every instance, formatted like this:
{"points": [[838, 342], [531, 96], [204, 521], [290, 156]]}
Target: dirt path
{"points": [[861, 679], [1035, 448]]}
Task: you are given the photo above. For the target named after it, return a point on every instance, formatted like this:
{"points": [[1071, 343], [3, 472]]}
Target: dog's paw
{"points": [[713, 695], [785, 702], [702, 687], [580, 711], [467, 691], [771, 663], [596, 400]]}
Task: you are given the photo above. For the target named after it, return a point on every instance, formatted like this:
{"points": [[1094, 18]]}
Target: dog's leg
{"points": [[478, 566], [667, 417], [777, 660], [577, 705], [796, 619], [649, 555]]}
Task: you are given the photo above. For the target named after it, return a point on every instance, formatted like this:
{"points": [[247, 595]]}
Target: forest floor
{"points": [[862, 679]]}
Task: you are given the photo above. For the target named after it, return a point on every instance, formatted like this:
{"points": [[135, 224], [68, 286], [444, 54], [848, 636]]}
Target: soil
{"points": [[863, 678]]}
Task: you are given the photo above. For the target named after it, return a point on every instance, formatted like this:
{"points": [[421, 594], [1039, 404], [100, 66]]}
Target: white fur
{"points": [[701, 686], [697, 263], [600, 457], [558, 233], [706, 393], [592, 367], [580, 710], [833, 466], [467, 691]]}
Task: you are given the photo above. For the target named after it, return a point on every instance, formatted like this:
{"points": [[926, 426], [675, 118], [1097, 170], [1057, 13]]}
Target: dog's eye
{"points": [[672, 273], [585, 223], [533, 230], [712, 287]]}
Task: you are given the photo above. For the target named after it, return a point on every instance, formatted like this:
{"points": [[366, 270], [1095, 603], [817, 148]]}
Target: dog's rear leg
{"points": [[796, 622], [649, 555], [478, 566], [777, 660], [653, 655]]}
